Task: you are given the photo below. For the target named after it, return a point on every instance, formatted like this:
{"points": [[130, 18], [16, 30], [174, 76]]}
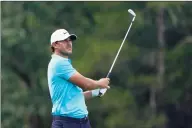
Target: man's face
{"points": [[64, 47]]}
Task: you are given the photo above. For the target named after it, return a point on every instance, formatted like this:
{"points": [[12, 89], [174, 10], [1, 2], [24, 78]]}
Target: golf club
{"points": [[102, 91]]}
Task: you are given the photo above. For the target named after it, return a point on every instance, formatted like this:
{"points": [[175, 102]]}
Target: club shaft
{"points": [[102, 91], [119, 50]]}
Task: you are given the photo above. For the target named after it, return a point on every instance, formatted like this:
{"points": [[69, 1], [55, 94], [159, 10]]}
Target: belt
{"points": [[70, 119]]}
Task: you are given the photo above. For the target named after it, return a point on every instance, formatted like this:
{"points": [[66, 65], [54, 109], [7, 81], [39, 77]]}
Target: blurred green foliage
{"points": [[100, 27]]}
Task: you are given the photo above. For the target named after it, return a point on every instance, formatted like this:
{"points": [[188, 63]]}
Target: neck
{"points": [[58, 53]]}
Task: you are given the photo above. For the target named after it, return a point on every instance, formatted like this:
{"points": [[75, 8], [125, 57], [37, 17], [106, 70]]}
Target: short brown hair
{"points": [[52, 49]]}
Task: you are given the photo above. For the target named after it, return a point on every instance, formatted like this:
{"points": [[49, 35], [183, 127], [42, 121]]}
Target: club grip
{"points": [[101, 91], [108, 75]]}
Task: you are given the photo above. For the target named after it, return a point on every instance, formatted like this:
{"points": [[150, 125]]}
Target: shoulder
{"points": [[59, 60], [61, 63]]}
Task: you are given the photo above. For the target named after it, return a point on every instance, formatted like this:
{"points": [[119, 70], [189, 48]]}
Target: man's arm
{"points": [[87, 95], [87, 83], [65, 70], [90, 94]]}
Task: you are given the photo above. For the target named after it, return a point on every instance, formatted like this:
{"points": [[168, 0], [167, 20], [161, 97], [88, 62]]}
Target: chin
{"points": [[69, 53], [66, 53]]}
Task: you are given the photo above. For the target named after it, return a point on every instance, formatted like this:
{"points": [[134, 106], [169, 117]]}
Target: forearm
{"points": [[87, 95], [92, 84], [87, 83], [91, 94], [84, 82]]}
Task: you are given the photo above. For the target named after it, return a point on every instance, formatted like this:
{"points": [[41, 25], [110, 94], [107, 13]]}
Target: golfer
{"points": [[66, 85]]}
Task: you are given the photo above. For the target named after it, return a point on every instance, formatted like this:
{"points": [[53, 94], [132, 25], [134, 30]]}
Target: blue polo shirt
{"points": [[67, 98]]}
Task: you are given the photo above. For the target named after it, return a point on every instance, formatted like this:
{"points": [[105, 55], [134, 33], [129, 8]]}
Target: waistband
{"points": [[70, 119]]}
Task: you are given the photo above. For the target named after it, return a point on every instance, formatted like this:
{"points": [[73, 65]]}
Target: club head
{"points": [[131, 12]]}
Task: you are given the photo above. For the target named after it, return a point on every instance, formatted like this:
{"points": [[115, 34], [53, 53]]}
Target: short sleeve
{"points": [[64, 69]]}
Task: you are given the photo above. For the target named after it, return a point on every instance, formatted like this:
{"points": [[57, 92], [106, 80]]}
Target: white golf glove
{"points": [[102, 92], [95, 92]]}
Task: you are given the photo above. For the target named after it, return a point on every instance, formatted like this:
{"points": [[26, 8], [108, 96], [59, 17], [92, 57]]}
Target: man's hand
{"points": [[102, 92], [95, 92], [103, 83]]}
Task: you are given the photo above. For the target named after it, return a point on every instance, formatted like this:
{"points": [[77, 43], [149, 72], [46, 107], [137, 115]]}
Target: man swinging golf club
{"points": [[66, 85]]}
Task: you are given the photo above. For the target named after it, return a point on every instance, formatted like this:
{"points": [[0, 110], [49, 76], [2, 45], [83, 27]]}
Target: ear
{"points": [[55, 45]]}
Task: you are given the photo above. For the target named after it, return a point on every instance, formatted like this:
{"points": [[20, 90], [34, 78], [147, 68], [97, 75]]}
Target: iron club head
{"points": [[131, 12]]}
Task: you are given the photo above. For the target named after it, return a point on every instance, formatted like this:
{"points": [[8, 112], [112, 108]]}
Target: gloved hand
{"points": [[102, 92], [95, 92]]}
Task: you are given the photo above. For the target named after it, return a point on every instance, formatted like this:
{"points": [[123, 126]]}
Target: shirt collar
{"points": [[60, 57]]}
